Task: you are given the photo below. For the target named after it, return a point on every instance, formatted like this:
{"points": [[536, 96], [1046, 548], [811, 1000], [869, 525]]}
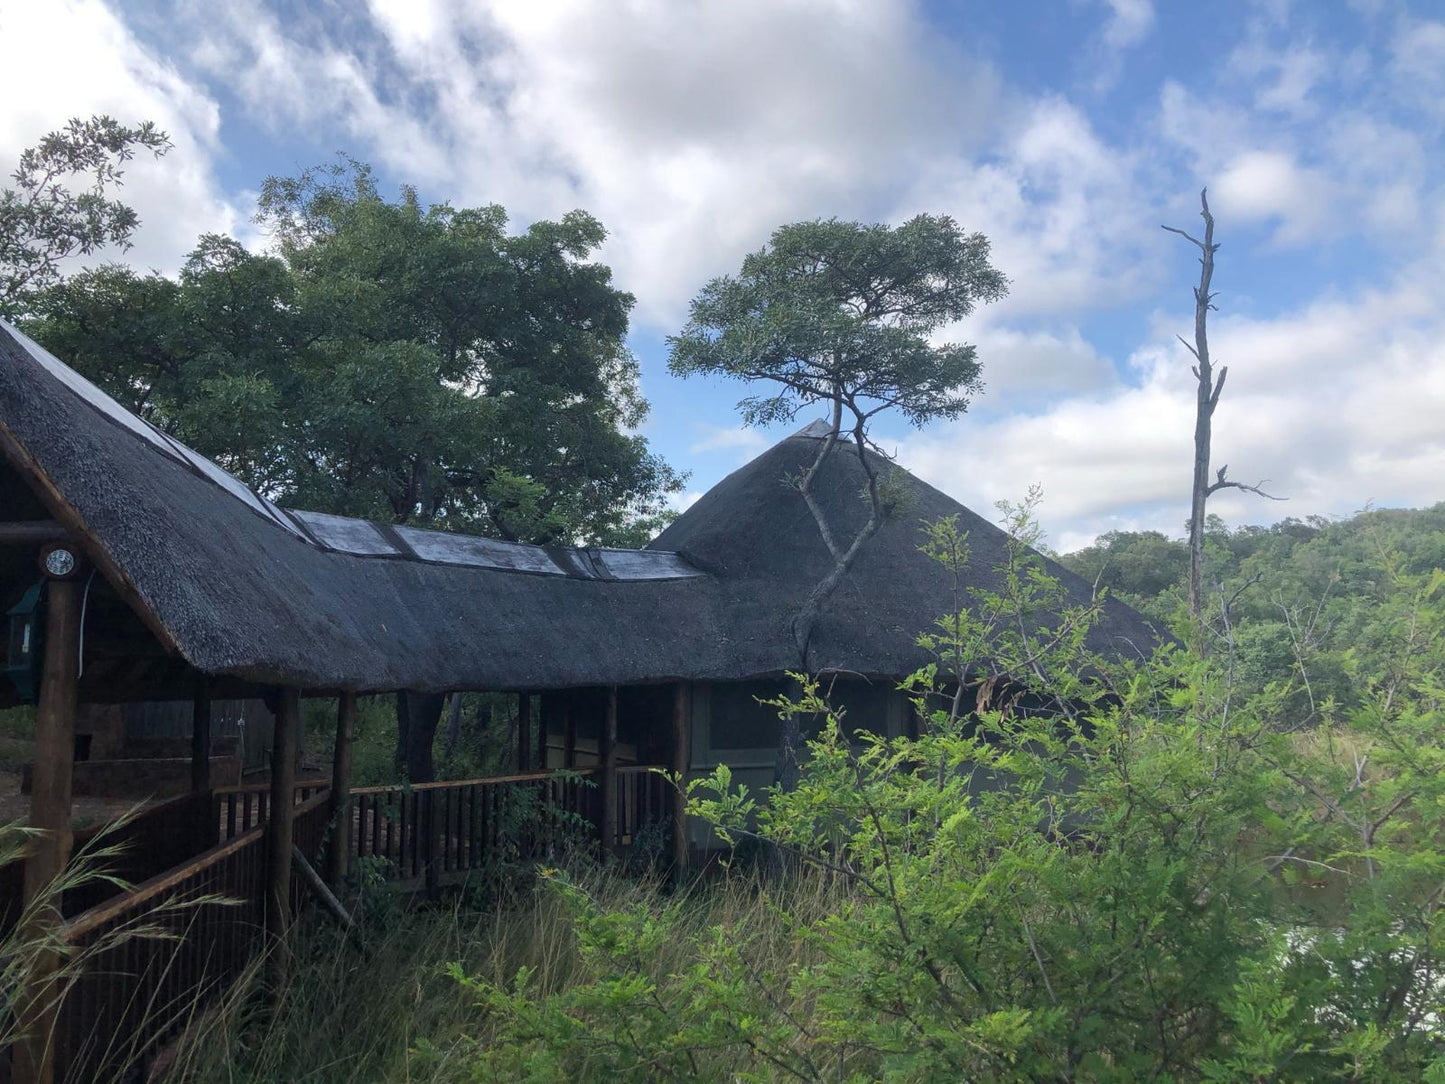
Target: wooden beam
{"points": [[681, 760], [524, 732], [341, 789], [279, 832], [318, 886], [32, 532], [607, 751], [50, 814], [201, 741]]}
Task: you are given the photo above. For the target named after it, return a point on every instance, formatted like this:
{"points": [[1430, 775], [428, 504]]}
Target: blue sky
{"points": [[1066, 132]]}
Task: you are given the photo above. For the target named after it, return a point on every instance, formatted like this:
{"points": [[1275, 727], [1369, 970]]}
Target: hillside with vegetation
{"points": [[1305, 599]]}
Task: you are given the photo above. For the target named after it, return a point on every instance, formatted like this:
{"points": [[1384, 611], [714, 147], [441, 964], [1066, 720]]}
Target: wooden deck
{"points": [[156, 954]]}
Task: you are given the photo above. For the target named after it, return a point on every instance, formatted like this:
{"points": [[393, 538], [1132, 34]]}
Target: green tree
{"points": [[842, 314], [394, 361], [43, 221]]}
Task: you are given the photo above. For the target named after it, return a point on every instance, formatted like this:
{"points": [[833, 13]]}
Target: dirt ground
{"points": [[15, 807]]}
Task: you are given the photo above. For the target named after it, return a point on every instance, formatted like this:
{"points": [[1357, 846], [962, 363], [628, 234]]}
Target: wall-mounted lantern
{"points": [[24, 651]]}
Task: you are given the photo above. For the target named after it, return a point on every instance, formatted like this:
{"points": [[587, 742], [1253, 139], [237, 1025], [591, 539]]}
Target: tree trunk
{"points": [[454, 724], [424, 712], [402, 731], [1205, 400], [340, 851]]}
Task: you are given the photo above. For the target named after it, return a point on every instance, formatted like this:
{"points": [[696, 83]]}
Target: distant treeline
{"points": [[1298, 591]]}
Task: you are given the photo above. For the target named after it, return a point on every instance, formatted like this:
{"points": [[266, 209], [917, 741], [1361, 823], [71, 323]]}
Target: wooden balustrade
{"points": [[151, 958], [239, 809], [459, 826], [131, 989]]}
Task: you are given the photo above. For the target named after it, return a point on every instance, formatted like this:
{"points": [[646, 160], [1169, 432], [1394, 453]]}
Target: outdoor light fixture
{"points": [[59, 562], [23, 649]]}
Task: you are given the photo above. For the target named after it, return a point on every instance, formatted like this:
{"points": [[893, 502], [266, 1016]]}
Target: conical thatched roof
{"points": [[234, 586], [754, 533]]}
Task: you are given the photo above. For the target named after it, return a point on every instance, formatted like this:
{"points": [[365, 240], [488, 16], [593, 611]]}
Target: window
{"points": [[862, 705], [738, 721]]}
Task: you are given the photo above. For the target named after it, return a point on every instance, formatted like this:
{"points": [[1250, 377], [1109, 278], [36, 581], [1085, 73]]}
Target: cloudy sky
{"points": [[1068, 132]]}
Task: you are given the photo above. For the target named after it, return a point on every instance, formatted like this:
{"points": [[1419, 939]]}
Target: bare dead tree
{"points": [[1208, 390]]}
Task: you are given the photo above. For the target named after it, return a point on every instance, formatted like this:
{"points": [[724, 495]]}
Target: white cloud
{"points": [[1262, 185], [1070, 218], [740, 442], [76, 57], [1337, 404], [1037, 364], [1419, 63], [690, 130], [1129, 23]]}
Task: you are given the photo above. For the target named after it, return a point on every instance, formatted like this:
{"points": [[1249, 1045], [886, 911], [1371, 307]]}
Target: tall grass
{"points": [[38, 966], [382, 1006]]}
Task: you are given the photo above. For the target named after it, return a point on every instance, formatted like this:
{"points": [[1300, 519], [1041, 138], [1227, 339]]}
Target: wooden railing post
{"points": [[681, 758], [427, 824], [607, 781], [279, 830], [201, 741], [34, 1061], [341, 789]]}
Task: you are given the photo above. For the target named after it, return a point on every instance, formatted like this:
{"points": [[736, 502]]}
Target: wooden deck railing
{"points": [[152, 957], [156, 955], [239, 809], [156, 839], [446, 828]]}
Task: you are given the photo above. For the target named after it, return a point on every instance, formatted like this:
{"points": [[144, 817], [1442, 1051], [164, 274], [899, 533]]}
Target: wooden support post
{"points": [[318, 886], [341, 789], [607, 788], [34, 1061], [201, 741], [681, 759], [279, 831], [524, 732]]}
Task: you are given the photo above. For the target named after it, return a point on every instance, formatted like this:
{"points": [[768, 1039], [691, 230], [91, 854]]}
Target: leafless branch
{"points": [[1221, 482]]}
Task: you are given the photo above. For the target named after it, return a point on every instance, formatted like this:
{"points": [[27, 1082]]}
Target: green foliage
{"points": [[1303, 596], [394, 361], [1085, 869], [831, 309], [42, 221]]}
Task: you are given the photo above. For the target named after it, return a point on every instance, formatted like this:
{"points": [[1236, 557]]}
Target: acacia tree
{"points": [[1207, 392], [841, 314], [42, 221]]}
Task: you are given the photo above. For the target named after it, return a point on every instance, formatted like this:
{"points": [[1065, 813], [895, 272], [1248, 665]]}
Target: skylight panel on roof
{"points": [[464, 549], [347, 535], [646, 565]]}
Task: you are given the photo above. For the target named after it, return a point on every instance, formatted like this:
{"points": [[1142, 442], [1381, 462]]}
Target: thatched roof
{"points": [[239, 588]]}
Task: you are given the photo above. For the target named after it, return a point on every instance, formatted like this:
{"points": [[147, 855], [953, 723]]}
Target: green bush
{"points": [[1094, 871]]}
